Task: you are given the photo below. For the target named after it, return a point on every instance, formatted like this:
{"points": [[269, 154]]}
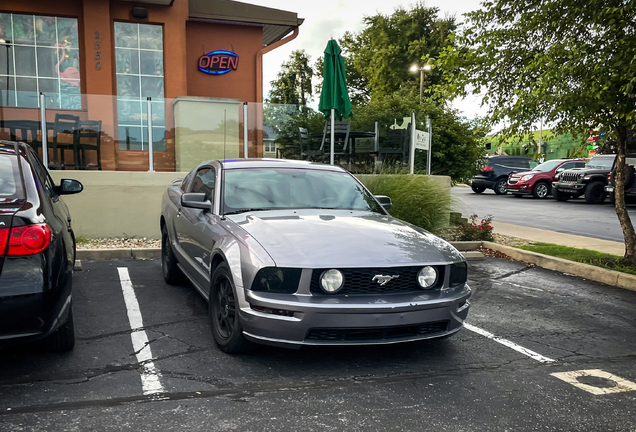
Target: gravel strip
{"points": [[117, 243]]}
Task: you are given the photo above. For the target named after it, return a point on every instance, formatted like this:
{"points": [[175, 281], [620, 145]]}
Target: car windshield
{"points": [[547, 166], [600, 162], [275, 188], [10, 184]]}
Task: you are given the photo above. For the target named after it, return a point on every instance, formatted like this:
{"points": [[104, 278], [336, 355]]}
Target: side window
{"points": [[43, 178], [579, 164], [567, 166], [203, 182]]}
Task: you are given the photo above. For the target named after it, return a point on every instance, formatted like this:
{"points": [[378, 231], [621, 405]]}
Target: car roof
{"points": [[9, 147], [274, 163]]}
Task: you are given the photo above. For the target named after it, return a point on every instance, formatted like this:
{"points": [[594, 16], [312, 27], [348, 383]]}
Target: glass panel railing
{"points": [[104, 132]]}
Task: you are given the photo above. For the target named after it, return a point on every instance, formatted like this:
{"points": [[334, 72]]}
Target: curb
{"points": [[118, 254], [585, 271]]}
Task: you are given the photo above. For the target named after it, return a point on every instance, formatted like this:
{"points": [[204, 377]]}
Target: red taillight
{"points": [[28, 240], [487, 169], [4, 235]]}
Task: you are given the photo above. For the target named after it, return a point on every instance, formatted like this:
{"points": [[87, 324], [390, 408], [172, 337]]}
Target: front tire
{"points": [[500, 187], [541, 190], [171, 272], [559, 196], [477, 189], [595, 193], [225, 321]]}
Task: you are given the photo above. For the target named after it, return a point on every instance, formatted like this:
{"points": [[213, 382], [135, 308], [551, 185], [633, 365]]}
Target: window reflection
{"points": [[139, 66], [43, 56]]}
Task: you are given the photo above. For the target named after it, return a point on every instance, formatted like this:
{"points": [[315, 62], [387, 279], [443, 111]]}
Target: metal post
{"points": [[412, 148], [43, 130], [430, 147], [245, 148], [421, 84], [333, 121], [377, 137], [151, 158]]}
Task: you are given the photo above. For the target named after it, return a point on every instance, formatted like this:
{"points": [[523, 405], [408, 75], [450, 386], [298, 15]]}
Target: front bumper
{"points": [[569, 188], [519, 188], [355, 318]]}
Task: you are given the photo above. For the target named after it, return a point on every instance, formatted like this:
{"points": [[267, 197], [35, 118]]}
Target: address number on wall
{"points": [[98, 53]]}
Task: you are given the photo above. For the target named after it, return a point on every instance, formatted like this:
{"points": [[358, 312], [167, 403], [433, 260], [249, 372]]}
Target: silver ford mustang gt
{"points": [[293, 253]]}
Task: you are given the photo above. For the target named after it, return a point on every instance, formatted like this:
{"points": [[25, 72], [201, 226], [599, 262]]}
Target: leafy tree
{"points": [[377, 60], [566, 61], [293, 83]]}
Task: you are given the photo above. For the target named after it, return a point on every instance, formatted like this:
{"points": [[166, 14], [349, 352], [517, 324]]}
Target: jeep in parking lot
{"points": [[589, 181]]}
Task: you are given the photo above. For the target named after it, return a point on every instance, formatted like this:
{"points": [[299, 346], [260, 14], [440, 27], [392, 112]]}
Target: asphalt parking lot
{"points": [[525, 325]]}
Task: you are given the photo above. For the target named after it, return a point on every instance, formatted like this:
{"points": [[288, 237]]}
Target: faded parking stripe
{"points": [[149, 377], [506, 342]]}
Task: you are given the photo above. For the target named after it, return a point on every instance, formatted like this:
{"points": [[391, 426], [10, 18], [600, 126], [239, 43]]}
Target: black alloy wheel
{"points": [[541, 190], [500, 187], [477, 189], [171, 272], [224, 314], [595, 193]]}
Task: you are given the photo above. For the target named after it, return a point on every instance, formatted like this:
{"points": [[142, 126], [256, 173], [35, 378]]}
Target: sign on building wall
{"points": [[218, 62]]}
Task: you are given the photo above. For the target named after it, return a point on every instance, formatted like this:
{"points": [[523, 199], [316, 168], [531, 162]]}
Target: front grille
{"points": [[376, 333], [360, 280], [569, 176], [513, 181]]}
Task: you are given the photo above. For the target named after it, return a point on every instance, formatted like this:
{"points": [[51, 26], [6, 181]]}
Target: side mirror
{"points": [[196, 200], [69, 187], [385, 201]]}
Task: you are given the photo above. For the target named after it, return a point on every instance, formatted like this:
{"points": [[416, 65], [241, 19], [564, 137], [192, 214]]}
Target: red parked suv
{"points": [[538, 181]]}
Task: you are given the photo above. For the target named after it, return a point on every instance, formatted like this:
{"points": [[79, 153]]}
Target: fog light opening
{"points": [[279, 312]]}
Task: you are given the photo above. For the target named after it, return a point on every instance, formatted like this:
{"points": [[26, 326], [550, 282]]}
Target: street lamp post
{"points": [[6, 44], [427, 67]]}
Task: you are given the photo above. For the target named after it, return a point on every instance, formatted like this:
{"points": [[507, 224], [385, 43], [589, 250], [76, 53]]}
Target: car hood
{"points": [[343, 238], [535, 173], [588, 170]]}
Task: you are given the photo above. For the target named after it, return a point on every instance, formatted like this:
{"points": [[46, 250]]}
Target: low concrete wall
{"points": [[128, 204], [117, 203]]}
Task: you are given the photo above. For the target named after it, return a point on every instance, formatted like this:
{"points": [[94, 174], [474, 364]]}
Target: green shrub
{"points": [[417, 199]]}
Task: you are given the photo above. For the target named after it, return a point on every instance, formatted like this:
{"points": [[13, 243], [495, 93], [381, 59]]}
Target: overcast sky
{"points": [[325, 19]]}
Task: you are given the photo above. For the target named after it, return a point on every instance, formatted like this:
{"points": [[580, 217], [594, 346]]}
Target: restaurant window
{"points": [[139, 69], [40, 54]]}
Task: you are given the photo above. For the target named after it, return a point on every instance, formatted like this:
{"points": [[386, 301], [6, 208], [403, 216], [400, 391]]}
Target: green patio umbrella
{"points": [[334, 98]]}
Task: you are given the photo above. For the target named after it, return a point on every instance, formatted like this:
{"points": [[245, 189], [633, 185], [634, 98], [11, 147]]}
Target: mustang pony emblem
{"points": [[383, 280]]}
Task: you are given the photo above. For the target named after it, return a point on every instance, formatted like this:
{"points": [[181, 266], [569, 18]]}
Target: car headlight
{"points": [[427, 277], [277, 280], [331, 280], [458, 274], [527, 177]]}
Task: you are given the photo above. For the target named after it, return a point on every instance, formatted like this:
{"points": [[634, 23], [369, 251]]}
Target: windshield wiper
{"points": [[249, 210]]}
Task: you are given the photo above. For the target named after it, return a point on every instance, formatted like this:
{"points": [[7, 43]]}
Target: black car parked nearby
{"points": [[37, 252], [630, 190], [495, 174], [589, 181]]}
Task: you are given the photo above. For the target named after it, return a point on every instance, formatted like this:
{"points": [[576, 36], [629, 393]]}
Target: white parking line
{"points": [[150, 377], [506, 342]]}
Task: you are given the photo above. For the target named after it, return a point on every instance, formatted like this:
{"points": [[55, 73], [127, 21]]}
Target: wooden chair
{"points": [[64, 124], [341, 139], [88, 137]]}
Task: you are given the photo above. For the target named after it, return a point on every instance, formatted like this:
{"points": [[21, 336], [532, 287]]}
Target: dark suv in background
{"points": [[589, 181], [630, 190], [495, 174]]}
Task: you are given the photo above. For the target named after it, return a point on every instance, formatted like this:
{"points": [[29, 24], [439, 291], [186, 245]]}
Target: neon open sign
{"points": [[218, 62]]}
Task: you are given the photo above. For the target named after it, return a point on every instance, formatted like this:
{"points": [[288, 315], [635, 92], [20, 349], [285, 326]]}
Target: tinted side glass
{"points": [[568, 165], [579, 164], [10, 181], [42, 176], [203, 182]]}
